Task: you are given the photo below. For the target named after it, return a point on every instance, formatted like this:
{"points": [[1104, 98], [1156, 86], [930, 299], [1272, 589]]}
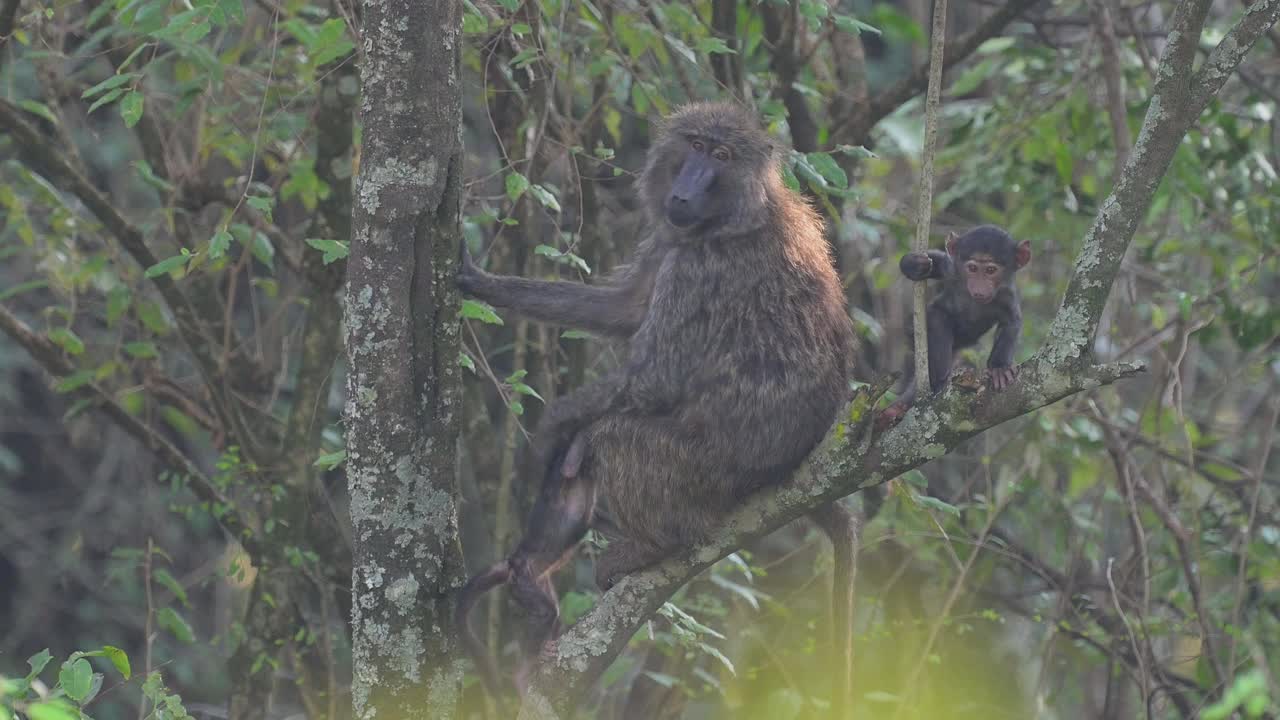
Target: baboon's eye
{"points": [[972, 268], [698, 146], [721, 153]]}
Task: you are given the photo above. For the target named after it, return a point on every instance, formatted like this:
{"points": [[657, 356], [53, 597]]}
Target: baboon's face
{"points": [[699, 192]]}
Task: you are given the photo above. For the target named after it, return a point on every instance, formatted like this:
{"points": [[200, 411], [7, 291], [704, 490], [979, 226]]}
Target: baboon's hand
{"points": [[916, 265], [1002, 378]]}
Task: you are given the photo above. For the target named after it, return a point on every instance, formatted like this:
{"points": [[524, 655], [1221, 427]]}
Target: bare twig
{"points": [[1111, 67], [924, 205]]}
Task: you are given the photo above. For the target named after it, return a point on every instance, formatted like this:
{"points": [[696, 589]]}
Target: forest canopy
{"points": [[253, 439]]}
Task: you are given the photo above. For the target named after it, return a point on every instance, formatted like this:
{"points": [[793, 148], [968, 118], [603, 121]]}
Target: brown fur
{"points": [[739, 348]]}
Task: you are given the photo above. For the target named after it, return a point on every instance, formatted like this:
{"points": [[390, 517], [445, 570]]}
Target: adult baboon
{"points": [[739, 350]]}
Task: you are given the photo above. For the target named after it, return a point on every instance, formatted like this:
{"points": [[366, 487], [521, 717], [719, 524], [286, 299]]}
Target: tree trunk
{"points": [[402, 346]]}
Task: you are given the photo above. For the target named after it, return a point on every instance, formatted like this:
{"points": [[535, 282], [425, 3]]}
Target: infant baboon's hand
{"points": [[916, 265]]}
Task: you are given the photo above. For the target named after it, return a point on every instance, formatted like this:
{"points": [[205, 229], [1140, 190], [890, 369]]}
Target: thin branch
{"points": [[1183, 542], [45, 352], [8, 13], [924, 204], [1226, 57], [1111, 68]]}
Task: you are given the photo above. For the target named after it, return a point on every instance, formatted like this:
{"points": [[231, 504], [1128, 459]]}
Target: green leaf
{"points": [[517, 407], [852, 25], [714, 46], [545, 197], [131, 108], [828, 168], [332, 249], [516, 185], [261, 204], [523, 389], [76, 678], [575, 335], [110, 83], [142, 350], [856, 151], [477, 310], [152, 317], [170, 620], [165, 578], [464, 359], [995, 45], [510, 5], [934, 503], [52, 710], [564, 258], [329, 461], [119, 658], [109, 97], [67, 340], [22, 287], [118, 300], [263, 250], [38, 663], [472, 21], [331, 42], [196, 32], [168, 265], [74, 381], [219, 244], [715, 653], [133, 56], [149, 176], [40, 109], [524, 57]]}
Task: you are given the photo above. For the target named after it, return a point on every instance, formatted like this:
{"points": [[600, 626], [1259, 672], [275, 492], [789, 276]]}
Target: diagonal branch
{"points": [[1177, 101], [50, 358], [851, 459]]}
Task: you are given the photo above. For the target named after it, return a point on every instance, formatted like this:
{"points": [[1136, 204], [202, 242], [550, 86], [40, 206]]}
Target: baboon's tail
{"points": [[470, 593]]}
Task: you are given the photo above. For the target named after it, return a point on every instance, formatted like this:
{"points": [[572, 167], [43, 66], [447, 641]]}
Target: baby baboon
{"points": [[739, 351], [978, 293]]}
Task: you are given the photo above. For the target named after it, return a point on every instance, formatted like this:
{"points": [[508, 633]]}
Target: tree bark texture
{"points": [[402, 415]]}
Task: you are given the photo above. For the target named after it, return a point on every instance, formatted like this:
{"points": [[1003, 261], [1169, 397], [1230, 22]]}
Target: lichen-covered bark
{"points": [[853, 457], [402, 346]]}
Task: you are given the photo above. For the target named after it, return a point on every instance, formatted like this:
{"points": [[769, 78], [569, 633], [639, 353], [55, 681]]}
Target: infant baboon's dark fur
{"points": [[738, 356]]}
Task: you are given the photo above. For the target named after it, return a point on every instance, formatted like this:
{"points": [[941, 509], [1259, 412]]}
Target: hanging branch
{"points": [[924, 208]]}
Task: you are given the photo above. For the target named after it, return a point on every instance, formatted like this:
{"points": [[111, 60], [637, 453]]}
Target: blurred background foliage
{"points": [[175, 185]]}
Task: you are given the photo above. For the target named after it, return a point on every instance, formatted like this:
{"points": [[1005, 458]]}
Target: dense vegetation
{"points": [[176, 185]]}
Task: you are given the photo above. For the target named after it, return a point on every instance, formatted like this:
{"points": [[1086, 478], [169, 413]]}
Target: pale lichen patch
{"points": [[403, 594], [1068, 337]]}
